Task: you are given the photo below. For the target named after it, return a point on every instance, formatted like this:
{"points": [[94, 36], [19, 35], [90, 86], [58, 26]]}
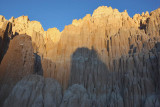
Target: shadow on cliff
{"points": [[37, 65], [4, 40], [5, 37], [0, 39], [89, 71]]}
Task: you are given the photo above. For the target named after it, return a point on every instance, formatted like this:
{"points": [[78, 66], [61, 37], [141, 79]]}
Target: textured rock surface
{"points": [[22, 25], [114, 58], [5, 35], [153, 23], [76, 96], [152, 101], [17, 63], [35, 91], [2, 20]]}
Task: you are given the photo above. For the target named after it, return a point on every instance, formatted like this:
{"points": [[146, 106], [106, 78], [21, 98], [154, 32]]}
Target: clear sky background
{"points": [[58, 13]]}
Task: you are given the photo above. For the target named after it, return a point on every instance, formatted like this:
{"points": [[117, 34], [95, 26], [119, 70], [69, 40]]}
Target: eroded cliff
{"points": [[105, 59]]}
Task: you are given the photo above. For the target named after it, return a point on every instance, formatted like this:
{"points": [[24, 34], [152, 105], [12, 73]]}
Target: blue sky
{"points": [[58, 13]]}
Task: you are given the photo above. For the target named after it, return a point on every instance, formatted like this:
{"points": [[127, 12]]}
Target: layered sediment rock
{"points": [[112, 57]]}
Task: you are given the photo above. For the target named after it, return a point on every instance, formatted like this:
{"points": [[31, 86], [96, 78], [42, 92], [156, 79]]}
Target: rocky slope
{"points": [[105, 59]]}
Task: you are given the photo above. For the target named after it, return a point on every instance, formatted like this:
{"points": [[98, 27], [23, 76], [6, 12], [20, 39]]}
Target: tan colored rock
{"points": [[153, 23], [77, 22], [141, 20], [102, 11], [22, 25], [113, 56], [2, 20], [12, 19], [38, 43], [54, 34]]}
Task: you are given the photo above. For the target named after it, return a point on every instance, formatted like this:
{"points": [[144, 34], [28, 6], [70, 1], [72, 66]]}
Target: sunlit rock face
{"points": [[104, 59], [153, 23]]}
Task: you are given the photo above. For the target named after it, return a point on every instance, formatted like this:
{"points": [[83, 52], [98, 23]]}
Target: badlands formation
{"points": [[106, 59]]}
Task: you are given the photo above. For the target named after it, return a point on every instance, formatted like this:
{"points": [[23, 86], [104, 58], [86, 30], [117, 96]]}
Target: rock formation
{"points": [[76, 96], [105, 59], [5, 35], [35, 91], [17, 63]]}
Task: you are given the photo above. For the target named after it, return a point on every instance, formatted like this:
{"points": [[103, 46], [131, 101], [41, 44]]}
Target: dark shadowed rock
{"points": [[152, 101], [5, 35], [76, 96]]}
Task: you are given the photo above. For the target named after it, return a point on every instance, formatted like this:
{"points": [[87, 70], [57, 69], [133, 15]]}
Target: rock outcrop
{"points": [[5, 35], [2, 20], [153, 24], [76, 96], [22, 25], [17, 63], [114, 59], [35, 91]]}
